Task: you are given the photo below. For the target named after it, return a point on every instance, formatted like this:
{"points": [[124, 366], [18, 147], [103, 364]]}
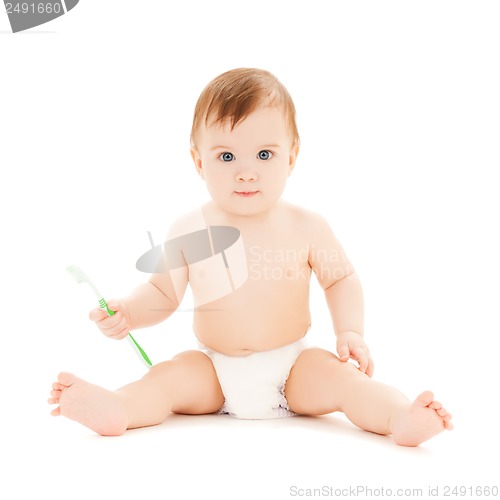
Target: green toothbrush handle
{"points": [[104, 305], [141, 350]]}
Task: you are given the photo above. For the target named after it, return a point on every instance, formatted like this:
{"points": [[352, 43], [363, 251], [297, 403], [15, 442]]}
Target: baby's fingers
{"points": [[119, 333], [364, 360], [343, 351], [370, 367], [97, 314], [113, 326], [360, 356]]}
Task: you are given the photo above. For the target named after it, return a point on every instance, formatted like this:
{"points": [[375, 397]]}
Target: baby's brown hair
{"points": [[237, 93]]}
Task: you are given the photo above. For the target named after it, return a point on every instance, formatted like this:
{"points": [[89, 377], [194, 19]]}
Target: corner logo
{"points": [[26, 15]]}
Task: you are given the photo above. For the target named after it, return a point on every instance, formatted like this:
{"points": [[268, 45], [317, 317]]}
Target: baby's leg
{"points": [[186, 384], [320, 383]]}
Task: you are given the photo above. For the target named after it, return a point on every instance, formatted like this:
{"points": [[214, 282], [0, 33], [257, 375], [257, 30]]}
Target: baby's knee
{"points": [[193, 361], [315, 359], [319, 364], [187, 361]]}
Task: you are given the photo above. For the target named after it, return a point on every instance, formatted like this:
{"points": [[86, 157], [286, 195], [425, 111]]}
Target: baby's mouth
{"points": [[246, 194]]}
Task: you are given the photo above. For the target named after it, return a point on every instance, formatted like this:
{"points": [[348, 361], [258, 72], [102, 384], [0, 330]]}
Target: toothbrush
{"points": [[80, 277]]}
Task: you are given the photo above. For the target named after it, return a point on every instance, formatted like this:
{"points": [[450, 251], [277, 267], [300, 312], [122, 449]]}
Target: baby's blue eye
{"points": [[265, 154], [226, 157]]}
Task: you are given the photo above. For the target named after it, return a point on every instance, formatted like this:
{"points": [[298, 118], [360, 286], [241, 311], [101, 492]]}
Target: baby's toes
{"points": [[65, 379], [442, 412], [436, 405], [56, 411], [447, 421], [55, 396]]}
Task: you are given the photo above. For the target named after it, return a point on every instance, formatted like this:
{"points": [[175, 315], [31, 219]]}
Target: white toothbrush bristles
{"points": [[80, 277]]}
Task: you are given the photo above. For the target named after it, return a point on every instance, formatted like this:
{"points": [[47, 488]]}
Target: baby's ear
{"points": [[197, 161], [294, 152]]}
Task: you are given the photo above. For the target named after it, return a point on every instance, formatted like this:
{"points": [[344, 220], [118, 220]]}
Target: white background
{"points": [[398, 110]]}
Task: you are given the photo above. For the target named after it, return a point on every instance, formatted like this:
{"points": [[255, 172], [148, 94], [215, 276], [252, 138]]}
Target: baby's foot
{"points": [[90, 405], [420, 421]]}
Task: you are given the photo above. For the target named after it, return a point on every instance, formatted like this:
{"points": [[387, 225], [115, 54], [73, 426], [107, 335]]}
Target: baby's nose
{"points": [[246, 175]]}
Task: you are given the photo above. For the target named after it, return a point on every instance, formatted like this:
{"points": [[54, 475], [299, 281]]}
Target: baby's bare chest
{"points": [[278, 262], [260, 265]]}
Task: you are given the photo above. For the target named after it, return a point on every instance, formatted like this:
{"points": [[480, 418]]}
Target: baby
{"points": [[248, 256]]}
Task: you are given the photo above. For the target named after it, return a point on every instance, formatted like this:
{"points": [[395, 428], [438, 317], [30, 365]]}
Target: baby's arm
{"points": [[156, 300], [149, 304], [343, 293]]}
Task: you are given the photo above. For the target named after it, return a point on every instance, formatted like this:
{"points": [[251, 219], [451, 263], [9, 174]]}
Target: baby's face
{"points": [[246, 169]]}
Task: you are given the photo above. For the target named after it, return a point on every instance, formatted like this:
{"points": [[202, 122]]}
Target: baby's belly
{"points": [[250, 320]]}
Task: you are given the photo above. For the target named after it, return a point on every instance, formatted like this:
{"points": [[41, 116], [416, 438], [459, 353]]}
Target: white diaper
{"points": [[253, 385]]}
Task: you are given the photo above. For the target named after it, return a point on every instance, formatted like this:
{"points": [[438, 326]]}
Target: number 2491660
{"points": [[32, 8]]}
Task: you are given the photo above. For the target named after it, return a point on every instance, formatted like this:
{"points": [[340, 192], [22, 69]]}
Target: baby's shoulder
{"points": [[303, 216], [187, 223]]}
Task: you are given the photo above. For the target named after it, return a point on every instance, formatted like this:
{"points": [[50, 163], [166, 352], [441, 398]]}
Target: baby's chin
{"points": [[244, 209]]}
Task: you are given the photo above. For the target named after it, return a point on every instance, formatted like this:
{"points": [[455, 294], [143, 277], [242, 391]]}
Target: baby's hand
{"points": [[352, 345], [116, 326]]}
